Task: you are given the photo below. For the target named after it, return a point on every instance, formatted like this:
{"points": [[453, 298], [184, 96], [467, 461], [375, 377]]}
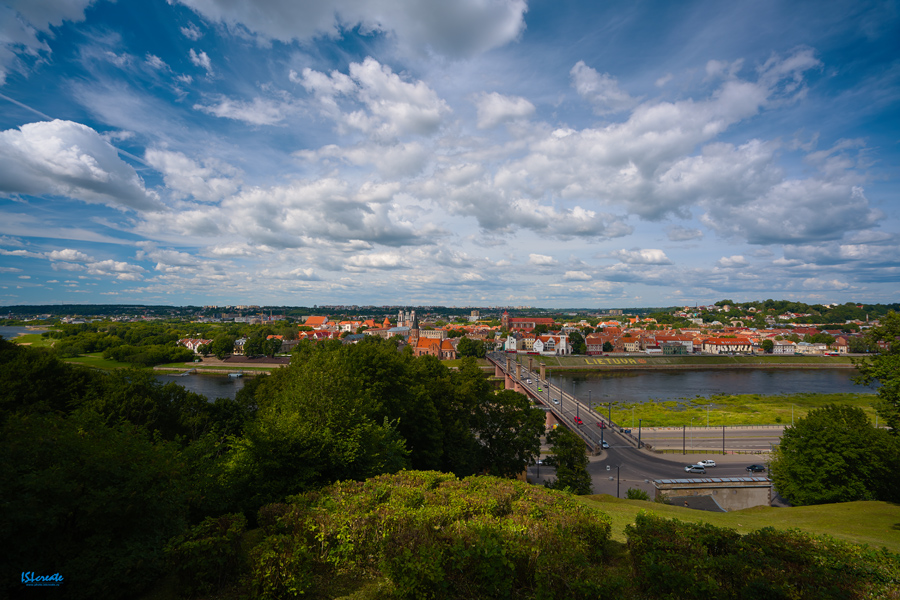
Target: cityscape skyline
{"points": [[477, 153]]}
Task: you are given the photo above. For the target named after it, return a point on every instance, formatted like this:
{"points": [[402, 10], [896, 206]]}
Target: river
{"points": [[636, 386], [640, 386], [9, 332], [211, 386]]}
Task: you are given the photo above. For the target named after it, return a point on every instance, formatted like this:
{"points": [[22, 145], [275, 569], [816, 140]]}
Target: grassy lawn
{"points": [[874, 523], [97, 361], [739, 409], [34, 339], [225, 369]]}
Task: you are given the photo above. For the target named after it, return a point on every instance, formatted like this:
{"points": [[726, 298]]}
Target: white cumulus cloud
{"points": [[494, 109], [69, 159]]}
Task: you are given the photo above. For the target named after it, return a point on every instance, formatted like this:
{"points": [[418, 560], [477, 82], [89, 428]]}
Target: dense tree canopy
{"points": [[834, 454], [470, 347], [571, 461], [885, 369]]}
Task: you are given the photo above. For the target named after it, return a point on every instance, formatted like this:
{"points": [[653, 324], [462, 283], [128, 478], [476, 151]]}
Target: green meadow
{"points": [[876, 524], [737, 409]]}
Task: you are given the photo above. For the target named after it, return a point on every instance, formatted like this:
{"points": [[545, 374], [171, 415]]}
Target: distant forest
{"points": [[818, 313]]}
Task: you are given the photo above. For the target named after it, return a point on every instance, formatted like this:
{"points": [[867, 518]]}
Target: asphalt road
{"points": [[623, 466], [638, 468]]}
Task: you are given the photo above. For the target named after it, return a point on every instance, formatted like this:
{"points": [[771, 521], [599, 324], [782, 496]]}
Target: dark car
{"points": [[756, 469]]}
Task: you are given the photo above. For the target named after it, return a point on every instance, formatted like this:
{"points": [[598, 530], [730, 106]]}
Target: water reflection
{"points": [[640, 386], [211, 386]]}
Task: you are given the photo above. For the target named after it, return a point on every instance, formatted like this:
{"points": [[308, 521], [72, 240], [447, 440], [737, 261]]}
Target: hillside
{"points": [[874, 523]]}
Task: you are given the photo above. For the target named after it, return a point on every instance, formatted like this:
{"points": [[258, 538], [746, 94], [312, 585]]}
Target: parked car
{"points": [[756, 469], [707, 463], [695, 469]]}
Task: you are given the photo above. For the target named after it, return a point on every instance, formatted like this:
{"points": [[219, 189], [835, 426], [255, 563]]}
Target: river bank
{"points": [[211, 365]]}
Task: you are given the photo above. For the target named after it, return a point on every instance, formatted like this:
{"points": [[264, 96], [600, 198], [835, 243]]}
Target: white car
{"points": [[707, 463], [695, 469], [528, 381]]}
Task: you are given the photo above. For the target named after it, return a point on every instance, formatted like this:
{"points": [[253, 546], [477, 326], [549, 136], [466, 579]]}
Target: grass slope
{"points": [[874, 523]]}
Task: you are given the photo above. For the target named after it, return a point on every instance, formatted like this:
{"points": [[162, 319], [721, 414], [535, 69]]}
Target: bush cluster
{"points": [[208, 556], [672, 559], [431, 535]]}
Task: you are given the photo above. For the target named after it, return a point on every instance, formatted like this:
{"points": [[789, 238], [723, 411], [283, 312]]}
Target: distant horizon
{"points": [[492, 152], [261, 307]]}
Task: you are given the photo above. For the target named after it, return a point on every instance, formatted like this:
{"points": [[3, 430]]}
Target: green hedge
{"points": [[676, 560]]}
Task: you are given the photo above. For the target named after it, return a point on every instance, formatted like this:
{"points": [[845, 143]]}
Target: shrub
{"points": [[672, 559], [637, 494], [209, 555], [283, 567], [431, 535]]}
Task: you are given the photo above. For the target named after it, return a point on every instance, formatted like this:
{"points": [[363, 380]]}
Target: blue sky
{"points": [[478, 152]]}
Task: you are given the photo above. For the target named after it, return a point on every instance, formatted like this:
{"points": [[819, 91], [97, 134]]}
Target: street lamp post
{"points": [[577, 405], [792, 415], [707, 415], [692, 433]]}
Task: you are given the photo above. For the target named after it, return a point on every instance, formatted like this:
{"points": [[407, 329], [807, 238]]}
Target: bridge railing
{"points": [[554, 391]]}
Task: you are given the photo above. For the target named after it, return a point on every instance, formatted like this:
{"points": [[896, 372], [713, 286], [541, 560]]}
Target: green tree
{"points": [[607, 347], [35, 380], [576, 340], [834, 454], [469, 347], [222, 345], [571, 461], [820, 338], [93, 503], [885, 369], [509, 433], [768, 346]]}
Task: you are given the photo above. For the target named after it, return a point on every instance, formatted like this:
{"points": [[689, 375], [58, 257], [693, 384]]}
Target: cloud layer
{"points": [[427, 152]]}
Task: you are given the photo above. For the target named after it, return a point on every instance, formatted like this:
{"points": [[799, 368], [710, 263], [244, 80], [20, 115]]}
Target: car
{"points": [[756, 469], [604, 444], [577, 420], [555, 401], [601, 425], [539, 388], [528, 381], [707, 463], [695, 469]]}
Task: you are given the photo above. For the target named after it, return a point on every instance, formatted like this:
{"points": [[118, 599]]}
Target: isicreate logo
{"points": [[32, 580]]}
